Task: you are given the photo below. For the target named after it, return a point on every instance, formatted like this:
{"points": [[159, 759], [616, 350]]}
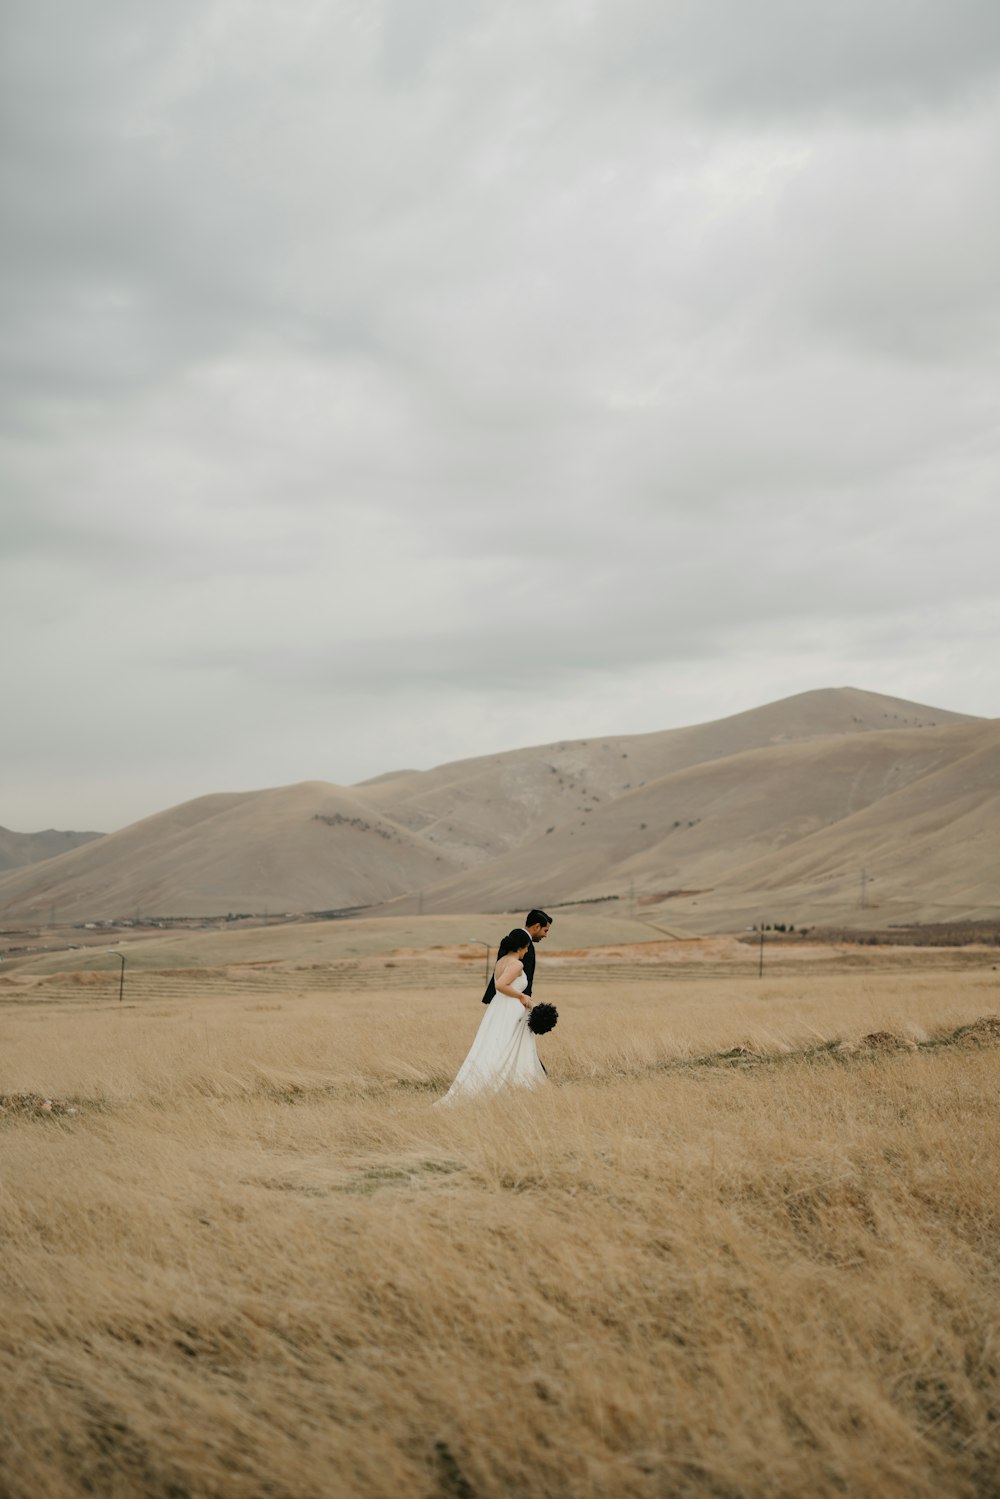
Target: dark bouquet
{"points": [[542, 1018]]}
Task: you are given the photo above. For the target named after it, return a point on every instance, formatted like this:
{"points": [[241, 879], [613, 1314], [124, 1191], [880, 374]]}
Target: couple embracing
{"points": [[504, 1053]]}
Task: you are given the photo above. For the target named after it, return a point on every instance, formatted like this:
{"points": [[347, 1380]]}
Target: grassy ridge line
{"points": [[984, 1031], [220, 1038]]}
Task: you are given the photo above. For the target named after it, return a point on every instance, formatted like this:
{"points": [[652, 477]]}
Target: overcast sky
{"points": [[390, 381]]}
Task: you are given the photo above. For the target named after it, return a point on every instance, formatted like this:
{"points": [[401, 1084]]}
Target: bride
{"points": [[504, 1052]]}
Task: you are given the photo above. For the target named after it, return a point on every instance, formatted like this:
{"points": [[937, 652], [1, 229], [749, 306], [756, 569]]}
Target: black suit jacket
{"points": [[529, 968]]}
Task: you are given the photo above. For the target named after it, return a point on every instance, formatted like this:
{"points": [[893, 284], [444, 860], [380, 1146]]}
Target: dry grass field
{"points": [[734, 1248]]}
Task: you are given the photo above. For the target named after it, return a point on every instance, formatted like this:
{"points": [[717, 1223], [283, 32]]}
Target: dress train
{"points": [[503, 1054]]}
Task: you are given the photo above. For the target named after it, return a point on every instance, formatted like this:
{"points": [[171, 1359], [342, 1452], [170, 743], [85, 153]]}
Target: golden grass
{"points": [[257, 1262]]}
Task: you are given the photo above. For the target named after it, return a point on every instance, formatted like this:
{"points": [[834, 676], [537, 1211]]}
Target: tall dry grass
{"points": [[257, 1262]]}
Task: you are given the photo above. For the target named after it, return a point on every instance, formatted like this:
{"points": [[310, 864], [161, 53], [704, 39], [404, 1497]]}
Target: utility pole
{"points": [[121, 981], [760, 966], [864, 883]]}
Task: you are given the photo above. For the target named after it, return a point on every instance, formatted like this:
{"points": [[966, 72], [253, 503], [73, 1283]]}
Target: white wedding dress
{"points": [[503, 1054]]}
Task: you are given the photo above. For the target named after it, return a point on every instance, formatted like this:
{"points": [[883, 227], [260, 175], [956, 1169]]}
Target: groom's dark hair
{"points": [[537, 918], [513, 942]]}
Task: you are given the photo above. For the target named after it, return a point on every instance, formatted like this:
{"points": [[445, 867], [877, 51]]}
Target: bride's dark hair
{"points": [[513, 942]]}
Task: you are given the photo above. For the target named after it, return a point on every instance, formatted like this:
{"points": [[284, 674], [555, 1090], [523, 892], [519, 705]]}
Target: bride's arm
{"points": [[505, 978]]}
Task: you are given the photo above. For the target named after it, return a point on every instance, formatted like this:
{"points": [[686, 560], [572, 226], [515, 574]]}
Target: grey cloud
{"points": [[410, 39], [892, 243], [773, 60], [356, 351], [675, 593]]}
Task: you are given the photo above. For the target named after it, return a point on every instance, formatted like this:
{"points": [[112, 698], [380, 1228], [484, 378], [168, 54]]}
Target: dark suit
{"points": [[529, 968]]}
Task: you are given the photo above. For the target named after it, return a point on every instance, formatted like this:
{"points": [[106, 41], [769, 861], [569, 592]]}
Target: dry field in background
{"points": [[720, 1255]]}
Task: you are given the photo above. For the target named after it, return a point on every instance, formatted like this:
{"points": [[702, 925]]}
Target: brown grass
{"points": [[735, 1249]]}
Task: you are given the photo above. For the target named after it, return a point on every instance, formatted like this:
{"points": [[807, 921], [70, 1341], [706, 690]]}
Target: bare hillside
{"points": [[19, 849], [479, 809], [306, 847], [794, 822], [926, 851], [633, 816]]}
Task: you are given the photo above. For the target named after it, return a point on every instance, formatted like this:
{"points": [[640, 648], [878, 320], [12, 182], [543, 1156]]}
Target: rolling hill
{"points": [[478, 809], [781, 833], [786, 803], [19, 849], [307, 847]]}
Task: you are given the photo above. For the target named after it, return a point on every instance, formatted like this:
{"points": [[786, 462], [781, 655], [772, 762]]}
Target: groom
{"points": [[536, 928]]}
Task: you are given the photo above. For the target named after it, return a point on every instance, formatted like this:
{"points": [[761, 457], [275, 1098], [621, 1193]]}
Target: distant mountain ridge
{"points": [[18, 849], [786, 802]]}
